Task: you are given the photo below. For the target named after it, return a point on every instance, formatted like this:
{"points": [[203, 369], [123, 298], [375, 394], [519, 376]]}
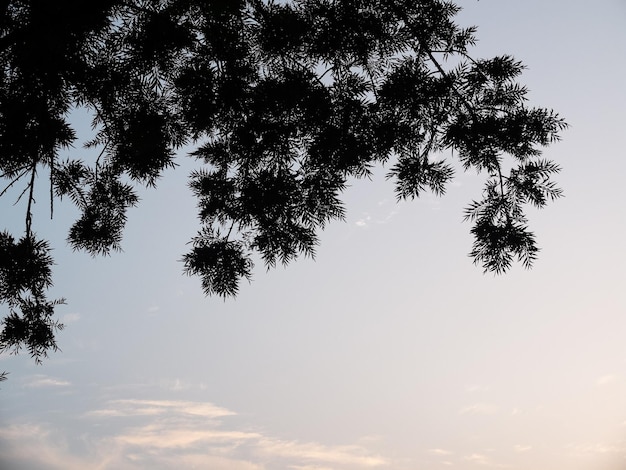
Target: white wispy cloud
{"points": [[171, 434], [477, 458], [363, 222], [479, 409], [39, 381], [598, 448], [51, 452], [179, 385], [160, 437], [161, 407], [21, 431], [521, 448], [439, 451], [606, 379], [383, 216], [70, 318], [484, 461], [309, 467], [340, 455], [106, 453]]}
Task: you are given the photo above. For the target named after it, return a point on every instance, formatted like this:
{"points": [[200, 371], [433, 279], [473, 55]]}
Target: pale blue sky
{"points": [[390, 350]]}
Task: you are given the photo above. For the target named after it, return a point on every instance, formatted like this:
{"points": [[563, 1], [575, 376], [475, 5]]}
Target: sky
{"points": [[390, 350]]}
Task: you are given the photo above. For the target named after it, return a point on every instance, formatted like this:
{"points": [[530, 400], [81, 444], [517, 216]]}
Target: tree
{"points": [[283, 102]]}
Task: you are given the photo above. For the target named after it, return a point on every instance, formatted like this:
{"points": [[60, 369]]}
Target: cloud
{"points": [[178, 386], [598, 448], [479, 409], [483, 460], [341, 455], [19, 442], [439, 451], [39, 381], [53, 453], [21, 431], [521, 448], [161, 407], [364, 222], [160, 437], [606, 380], [478, 459], [134, 434], [381, 218], [309, 467], [70, 318]]}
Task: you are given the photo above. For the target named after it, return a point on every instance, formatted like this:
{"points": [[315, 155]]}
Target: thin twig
{"points": [[98, 159], [501, 178], [29, 214], [230, 230], [17, 178], [52, 186], [9, 173], [371, 77], [445, 75], [19, 198]]}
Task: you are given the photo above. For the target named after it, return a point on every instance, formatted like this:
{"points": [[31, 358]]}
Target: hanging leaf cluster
{"points": [[25, 274], [283, 103]]}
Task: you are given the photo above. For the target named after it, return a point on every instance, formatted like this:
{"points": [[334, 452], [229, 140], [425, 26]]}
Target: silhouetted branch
{"points": [[29, 214], [15, 180]]}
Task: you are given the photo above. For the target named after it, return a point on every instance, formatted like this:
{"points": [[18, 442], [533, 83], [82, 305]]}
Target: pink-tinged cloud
{"points": [[168, 434]]}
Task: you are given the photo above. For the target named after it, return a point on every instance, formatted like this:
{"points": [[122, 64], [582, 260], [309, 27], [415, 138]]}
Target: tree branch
{"points": [[29, 213], [445, 75], [15, 180], [51, 187]]}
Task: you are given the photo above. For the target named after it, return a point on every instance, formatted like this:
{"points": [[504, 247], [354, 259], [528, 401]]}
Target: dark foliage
{"points": [[283, 101], [25, 274]]}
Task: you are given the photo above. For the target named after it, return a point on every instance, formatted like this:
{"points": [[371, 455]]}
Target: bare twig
{"points": [[15, 180], [29, 213], [51, 187]]}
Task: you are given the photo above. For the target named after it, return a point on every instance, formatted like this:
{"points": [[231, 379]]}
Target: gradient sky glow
{"points": [[390, 350]]}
